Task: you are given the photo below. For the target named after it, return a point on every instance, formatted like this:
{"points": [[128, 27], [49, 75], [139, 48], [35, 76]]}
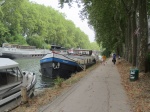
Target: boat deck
{"points": [[83, 60]]}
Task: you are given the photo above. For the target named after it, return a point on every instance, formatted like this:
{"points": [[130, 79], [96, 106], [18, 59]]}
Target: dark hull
{"points": [[53, 65], [63, 71], [16, 56]]}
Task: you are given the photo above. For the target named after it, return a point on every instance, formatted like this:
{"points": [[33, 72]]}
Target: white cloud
{"points": [[72, 14]]}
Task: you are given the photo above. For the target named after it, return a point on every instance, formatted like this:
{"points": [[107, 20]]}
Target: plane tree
{"points": [[25, 22], [120, 25]]}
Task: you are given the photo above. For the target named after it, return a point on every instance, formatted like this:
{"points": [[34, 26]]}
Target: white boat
{"points": [[14, 51], [12, 79]]}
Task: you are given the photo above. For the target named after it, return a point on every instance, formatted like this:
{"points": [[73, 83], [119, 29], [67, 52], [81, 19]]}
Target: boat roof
{"points": [[7, 63], [54, 47], [82, 50]]}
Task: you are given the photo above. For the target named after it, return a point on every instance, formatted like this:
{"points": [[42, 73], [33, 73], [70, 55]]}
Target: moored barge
{"points": [[64, 65], [14, 51]]}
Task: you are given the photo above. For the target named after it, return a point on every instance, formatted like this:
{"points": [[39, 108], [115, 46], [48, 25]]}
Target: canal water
{"points": [[33, 65]]}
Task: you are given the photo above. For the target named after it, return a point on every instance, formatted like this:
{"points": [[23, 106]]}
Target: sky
{"points": [[71, 14]]}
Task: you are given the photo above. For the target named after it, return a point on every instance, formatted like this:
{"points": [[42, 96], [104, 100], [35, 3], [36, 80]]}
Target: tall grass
{"points": [[58, 81]]}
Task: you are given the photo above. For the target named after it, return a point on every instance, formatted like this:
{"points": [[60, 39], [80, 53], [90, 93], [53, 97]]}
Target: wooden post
{"points": [[24, 97], [84, 67]]}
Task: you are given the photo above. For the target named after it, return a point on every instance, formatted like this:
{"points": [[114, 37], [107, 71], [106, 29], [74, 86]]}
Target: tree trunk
{"points": [[129, 39], [134, 36], [143, 39], [126, 43], [128, 48]]}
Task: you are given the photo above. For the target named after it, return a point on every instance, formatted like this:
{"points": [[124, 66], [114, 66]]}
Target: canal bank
{"points": [[137, 91], [46, 95], [99, 91]]}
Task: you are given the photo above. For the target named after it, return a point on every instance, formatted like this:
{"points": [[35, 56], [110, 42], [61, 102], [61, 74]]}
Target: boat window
{"points": [[10, 75]]}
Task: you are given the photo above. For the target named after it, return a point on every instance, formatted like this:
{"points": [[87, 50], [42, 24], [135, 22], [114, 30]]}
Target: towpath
{"points": [[99, 91]]}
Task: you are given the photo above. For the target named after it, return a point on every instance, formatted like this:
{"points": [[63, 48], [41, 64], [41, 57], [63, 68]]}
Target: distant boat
{"points": [[58, 49], [63, 65], [14, 51], [12, 79]]}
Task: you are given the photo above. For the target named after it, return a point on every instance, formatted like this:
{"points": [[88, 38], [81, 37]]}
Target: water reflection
{"points": [[33, 65]]}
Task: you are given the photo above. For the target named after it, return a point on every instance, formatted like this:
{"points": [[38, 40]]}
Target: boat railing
{"points": [[80, 65]]}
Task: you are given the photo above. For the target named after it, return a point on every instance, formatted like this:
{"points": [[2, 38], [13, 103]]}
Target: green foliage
{"points": [[21, 18], [58, 81], [36, 41], [46, 46], [106, 53], [108, 20], [95, 46], [18, 39], [2, 40], [115, 23]]}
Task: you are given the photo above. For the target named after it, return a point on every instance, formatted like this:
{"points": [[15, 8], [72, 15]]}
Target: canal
{"points": [[33, 65]]}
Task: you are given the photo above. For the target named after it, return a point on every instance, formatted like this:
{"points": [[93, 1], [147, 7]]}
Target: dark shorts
{"points": [[113, 60]]}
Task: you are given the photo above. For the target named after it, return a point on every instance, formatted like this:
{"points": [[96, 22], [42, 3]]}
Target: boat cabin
{"points": [[82, 52], [58, 49], [7, 45], [9, 72]]}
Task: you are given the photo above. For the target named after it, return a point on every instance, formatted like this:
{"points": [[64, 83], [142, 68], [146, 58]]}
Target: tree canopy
{"points": [[24, 22], [120, 25]]}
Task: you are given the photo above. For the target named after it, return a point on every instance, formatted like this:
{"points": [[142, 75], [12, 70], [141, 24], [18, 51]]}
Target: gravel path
{"points": [[99, 91]]}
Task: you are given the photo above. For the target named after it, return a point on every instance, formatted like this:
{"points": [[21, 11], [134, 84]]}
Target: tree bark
{"points": [[129, 39], [134, 36], [143, 38], [126, 43]]}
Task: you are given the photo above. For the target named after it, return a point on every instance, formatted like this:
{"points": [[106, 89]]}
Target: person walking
{"points": [[104, 58], [114, 58]]}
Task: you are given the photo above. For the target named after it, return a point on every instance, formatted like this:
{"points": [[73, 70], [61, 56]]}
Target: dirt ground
{"points": [[138, 91]]}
